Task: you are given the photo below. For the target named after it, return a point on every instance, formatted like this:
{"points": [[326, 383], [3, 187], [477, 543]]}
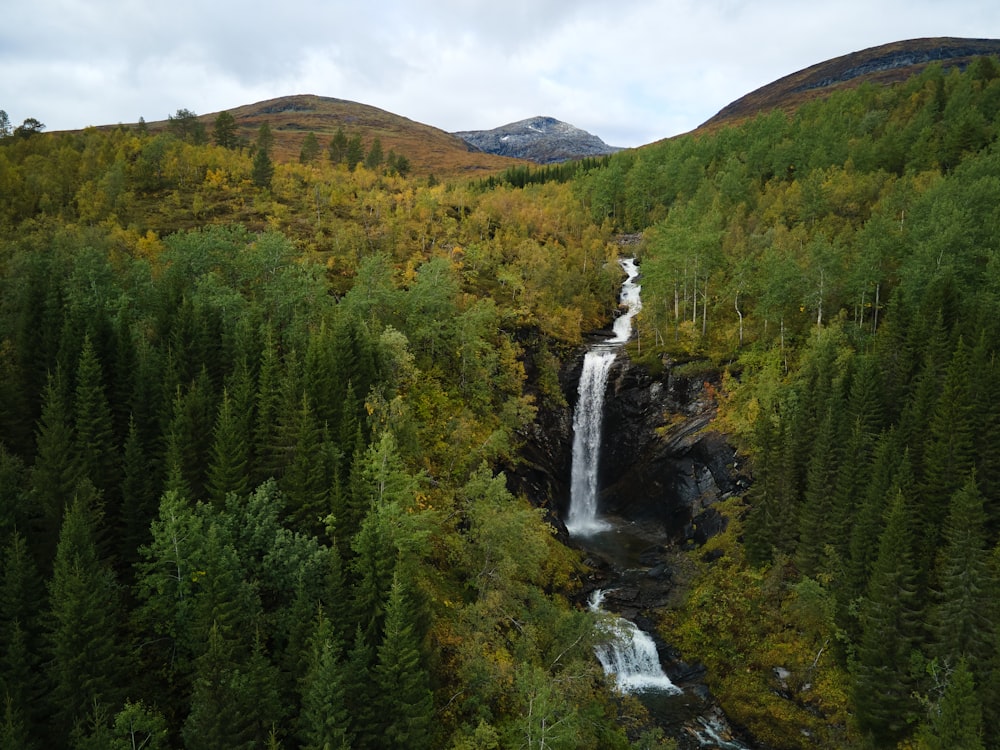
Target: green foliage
{"points": [[224, 131], [265, 403], [310, 149]]}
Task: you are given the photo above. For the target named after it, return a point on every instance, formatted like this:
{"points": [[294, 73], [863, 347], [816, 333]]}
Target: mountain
{"points": [[291, 118], [544, 140], [887, 63]]}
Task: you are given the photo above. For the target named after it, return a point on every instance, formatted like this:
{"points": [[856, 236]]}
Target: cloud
{"points": [[632, 71]]}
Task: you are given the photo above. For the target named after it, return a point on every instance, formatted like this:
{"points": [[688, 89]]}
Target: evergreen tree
{"points": [[14, 732], [890, 620], [375, 156], [361, 693], [306, 479], [186, 126], [263, 168], [324, 721], [21, 686], [402, 679], [950, 451], [228, 470], [224, 131], [215, 721], [354, 152], [957, 720], [817, 510], [310, 149], [337, 150], [267, 449], [83, 623], [961, 620], [138, 499], [56, 471], [94, 428]]}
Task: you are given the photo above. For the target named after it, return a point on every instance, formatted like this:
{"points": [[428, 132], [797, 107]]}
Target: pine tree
{"points": [[267, 451], [361, 693], [305, 481], [375, 155], [14, 732], [354, 152], [263, 168]]}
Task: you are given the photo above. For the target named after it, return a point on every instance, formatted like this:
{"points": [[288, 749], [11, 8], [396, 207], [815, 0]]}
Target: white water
{"points": [[588, 416], [629, 654]]}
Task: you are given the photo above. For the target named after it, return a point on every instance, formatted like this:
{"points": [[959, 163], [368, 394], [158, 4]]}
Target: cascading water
{"points": [[629, 654], [582, 518]]}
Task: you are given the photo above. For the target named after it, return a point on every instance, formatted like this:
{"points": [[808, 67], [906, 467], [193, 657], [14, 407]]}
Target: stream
{"points": [[629, 655]]}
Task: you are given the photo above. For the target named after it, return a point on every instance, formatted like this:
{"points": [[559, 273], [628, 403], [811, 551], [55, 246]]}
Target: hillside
{"points": [[885, 64], [292, 118], [544, 140]]}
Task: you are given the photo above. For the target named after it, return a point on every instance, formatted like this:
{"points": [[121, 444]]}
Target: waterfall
{"points": [[629, 654], [582, 519]]}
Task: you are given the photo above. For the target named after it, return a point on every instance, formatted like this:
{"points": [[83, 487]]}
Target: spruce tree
{"points": [[817, 510], [324, 721], [890, 619], [94, 427], [215, 720], [949, 454], [957, 720], [138, 499], [310, 149], [404, 686], [961, 621], [55, 472], [227, 470], [83, 626], [21, 683]]}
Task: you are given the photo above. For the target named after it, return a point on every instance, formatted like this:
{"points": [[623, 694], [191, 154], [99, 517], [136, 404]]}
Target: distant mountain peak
{"points": [[541, 139]]}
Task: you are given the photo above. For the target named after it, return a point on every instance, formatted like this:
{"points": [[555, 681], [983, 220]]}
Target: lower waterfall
{"points": [[629, 654]]}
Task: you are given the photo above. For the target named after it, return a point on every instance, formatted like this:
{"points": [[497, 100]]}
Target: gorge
{"points": [[626, 513]]}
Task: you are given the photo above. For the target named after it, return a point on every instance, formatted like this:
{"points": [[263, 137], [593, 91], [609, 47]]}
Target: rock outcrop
{"points": [[544, 140], [662, 465]]}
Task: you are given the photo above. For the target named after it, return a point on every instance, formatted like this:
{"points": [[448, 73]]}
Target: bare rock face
{"points": [[661, 462], [661, 465], [544, 140]]}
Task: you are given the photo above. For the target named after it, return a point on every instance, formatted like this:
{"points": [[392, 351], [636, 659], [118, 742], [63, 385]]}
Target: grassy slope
{"points": [[849, 70]]}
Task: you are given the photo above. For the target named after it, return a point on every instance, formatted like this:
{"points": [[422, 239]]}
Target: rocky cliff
{"points": [[662, 465]]}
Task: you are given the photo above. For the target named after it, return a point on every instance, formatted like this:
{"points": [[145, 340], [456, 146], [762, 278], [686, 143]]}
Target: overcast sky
{"points": [[629, 71]]}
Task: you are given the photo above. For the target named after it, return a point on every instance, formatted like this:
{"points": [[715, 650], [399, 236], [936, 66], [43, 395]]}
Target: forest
{"points": [[255, 419]]}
